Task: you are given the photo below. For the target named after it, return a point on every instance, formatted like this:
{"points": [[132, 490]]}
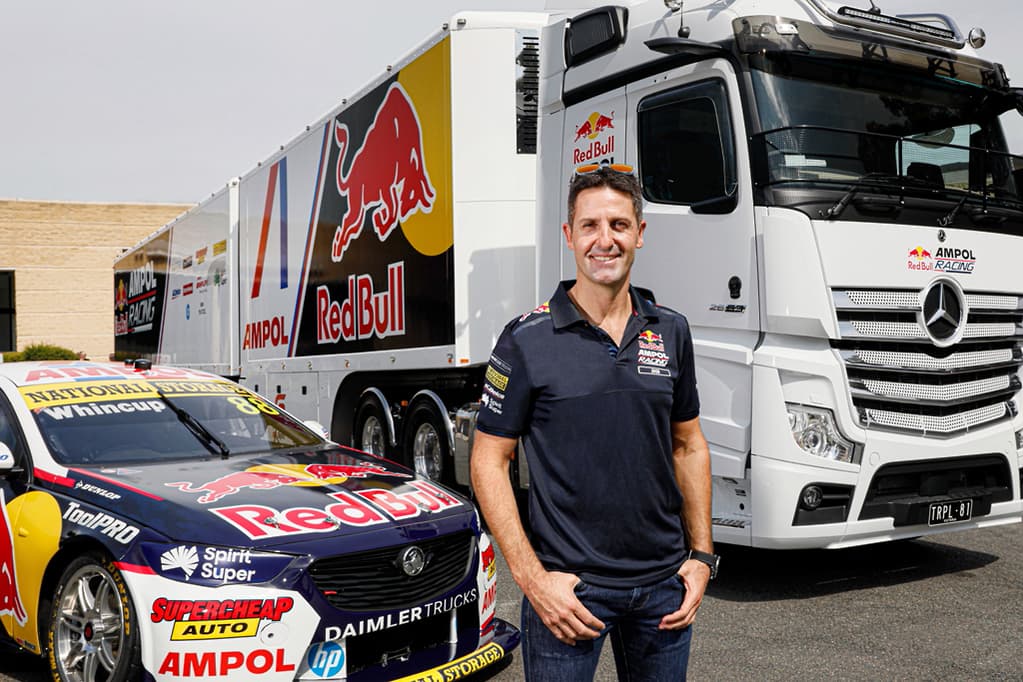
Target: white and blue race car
{"points": [[167, 524]]}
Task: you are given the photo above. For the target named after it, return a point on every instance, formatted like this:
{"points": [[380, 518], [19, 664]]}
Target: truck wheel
{"points": [[426, 443], [93, 636], [370, 433]]}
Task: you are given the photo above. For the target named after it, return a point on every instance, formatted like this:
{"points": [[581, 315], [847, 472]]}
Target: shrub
{"points": [[14, 356], [45, 351]]}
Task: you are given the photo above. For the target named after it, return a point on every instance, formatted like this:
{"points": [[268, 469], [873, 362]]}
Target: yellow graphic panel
{"points": [[427, 80]]}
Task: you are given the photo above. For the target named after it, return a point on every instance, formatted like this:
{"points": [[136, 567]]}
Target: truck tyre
{"points": [[370, 432], [426, 448], [93, 635]]}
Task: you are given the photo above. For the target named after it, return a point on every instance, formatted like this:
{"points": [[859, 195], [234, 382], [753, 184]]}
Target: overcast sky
{"points": [[139, 100]]}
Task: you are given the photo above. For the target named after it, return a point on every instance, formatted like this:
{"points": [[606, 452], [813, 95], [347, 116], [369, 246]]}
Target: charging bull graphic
{"points": [[10, 598], [594, 125], [262, 479], [387, 175]]}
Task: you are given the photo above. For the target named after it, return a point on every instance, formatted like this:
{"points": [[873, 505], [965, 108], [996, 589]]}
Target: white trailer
{"points": [[829, 200]]}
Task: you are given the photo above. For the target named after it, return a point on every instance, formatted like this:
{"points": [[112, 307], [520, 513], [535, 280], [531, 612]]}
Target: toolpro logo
{"points": [[587, 144], [387, 180], [269, 476]]}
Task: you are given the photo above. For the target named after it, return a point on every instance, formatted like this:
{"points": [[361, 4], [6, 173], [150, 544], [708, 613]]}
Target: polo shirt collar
{"points": [[564, 313]]}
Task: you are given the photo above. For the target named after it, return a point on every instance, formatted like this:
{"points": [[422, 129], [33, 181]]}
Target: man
{"points": [[600, 385]]}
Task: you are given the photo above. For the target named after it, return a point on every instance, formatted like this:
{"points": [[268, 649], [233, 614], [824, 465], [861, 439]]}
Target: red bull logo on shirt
{"points": [[387, 177]]}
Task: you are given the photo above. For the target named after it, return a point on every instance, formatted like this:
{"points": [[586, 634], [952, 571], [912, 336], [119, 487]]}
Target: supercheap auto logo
{"points": [[218, 618]]}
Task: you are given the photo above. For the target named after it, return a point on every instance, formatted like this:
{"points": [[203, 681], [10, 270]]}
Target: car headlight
{"points": [[816, 433], [212, 565]]}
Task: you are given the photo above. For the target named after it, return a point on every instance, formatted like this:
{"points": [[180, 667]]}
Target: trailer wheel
{"points": [[370, 433], [93, 636], [426, 442]]}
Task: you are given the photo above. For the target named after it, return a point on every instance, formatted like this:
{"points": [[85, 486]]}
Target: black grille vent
{"points": [[374, 580], [527, 94]]}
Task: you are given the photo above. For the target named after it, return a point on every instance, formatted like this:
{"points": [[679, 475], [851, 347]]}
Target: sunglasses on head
{"points": [[595, 167]]}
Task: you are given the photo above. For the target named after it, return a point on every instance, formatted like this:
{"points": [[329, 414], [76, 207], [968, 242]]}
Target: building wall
{"points": [[62, 255]]}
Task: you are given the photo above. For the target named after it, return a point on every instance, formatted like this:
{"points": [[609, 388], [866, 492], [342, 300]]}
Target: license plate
{"points": [[950, 512]]}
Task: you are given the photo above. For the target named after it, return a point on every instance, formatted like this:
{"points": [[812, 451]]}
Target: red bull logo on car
{"points": [[267, 477], [359, 509], [10, 597], [386, 180]]}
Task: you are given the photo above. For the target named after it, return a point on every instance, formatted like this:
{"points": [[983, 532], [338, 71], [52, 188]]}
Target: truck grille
{"points": [[899, 377], [374, 580]]}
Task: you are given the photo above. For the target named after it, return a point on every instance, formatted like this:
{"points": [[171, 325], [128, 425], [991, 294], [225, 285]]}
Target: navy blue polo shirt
{"points": [[596, 422]]}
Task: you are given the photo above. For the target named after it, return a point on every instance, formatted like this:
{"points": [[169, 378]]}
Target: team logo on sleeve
{"points": [[539, 310]]}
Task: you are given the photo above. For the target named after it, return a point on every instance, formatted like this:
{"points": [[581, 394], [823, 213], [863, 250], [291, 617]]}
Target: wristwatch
{"points": [[712, 560]]}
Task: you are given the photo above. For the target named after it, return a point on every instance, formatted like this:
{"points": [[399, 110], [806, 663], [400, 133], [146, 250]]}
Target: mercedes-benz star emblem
{"points": [[944, 312], [413, 561]]}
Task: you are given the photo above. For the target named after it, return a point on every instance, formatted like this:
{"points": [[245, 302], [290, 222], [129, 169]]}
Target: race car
{"points": [[165, 524]]}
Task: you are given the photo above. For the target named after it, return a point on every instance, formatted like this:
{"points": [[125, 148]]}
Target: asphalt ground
{"points": [[946, 608]]}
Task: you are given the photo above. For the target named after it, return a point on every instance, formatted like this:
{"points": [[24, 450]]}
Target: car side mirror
{"points": [[6, 458], [318, 428]]}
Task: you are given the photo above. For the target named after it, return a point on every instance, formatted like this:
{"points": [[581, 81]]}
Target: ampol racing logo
{"points": [[587, 146], [269, 476], [387, 176], [945, 259]]}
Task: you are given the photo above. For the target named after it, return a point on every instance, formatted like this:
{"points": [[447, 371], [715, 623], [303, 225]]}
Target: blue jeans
{"points": [[630, 616]]}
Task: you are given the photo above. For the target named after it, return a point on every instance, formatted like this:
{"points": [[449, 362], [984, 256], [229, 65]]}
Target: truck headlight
{"points": [[816, 433]]}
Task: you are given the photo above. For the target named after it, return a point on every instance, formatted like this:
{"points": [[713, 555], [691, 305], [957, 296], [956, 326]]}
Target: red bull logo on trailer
{"points": [[387, 180], [381, 262], [267, 477]]}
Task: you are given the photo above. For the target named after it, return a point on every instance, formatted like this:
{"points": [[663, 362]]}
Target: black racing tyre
{"points": [[93, 635], [426, 446], [370, 432]]}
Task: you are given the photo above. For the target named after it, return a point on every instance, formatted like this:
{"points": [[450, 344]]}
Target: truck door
{"points": [[685, 136]]}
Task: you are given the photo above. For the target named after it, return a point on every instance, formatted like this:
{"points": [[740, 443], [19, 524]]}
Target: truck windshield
{"points": [[117, 422], [931, 141]]}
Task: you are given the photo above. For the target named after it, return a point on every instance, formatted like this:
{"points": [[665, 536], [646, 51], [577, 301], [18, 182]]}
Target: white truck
{"points": [[829, 200]]}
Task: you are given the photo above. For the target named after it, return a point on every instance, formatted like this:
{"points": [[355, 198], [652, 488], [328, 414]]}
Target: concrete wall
{"points": [[62, 255]]}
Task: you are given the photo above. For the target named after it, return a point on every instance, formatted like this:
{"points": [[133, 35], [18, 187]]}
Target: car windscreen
{"points": [[114, 421]]}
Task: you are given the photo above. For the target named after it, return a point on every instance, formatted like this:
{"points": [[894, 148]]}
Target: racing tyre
{"points": [[93, 636], [427, 448], [370, 433]]}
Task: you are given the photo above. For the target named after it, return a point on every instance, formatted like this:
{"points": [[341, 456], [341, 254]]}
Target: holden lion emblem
{"points": [[413, 561]]}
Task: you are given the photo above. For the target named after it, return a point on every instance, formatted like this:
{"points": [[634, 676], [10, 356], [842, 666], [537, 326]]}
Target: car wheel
{"points": [[426, 443], [92, 635], [370, 428]]}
